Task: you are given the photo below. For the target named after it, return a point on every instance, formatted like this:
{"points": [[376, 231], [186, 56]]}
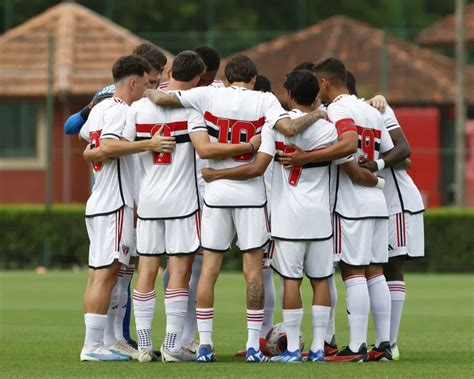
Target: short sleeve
{"points": [[386, 142], [268, 141], [130, 130], [273, 111], [197, 98], [196, 122], [389, 119], [114, 122], [84, 132], [341, 118], [344, 160]]}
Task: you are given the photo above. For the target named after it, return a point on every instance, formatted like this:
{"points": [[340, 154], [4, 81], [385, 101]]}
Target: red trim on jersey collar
{"points": [[339, 97], [208, 116], [119, 101]]}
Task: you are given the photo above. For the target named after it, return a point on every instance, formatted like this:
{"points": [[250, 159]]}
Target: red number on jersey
{"points": [[94, 140], [295, 173], [368, 143], [161, 158], [237, 129]]}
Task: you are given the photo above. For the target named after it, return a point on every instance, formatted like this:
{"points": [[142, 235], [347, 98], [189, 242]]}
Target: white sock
{"points": [[109, 332], [380, 304], [292, 321], [320, 316], [190, 324], [331, 329], [358, 306], [95, 326], [124, 277], [144, 310], [270, 299], [176, 305], [204, 317], [254, 326], [397, 294]]}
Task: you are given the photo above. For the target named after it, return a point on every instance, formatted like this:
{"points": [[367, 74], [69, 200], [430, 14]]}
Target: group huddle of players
{"points": [[303, 189]]}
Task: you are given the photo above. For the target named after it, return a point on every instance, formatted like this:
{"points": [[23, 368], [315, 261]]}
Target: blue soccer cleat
{"points": [[100, 353], [288, 357], [205, 354], [316, 356], [255, 356]]}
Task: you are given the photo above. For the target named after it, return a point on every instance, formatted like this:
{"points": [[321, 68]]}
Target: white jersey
{"points": [[300, 196], [400, 191], [234, 115], [353, 201], [168, 183], [113, 186]]}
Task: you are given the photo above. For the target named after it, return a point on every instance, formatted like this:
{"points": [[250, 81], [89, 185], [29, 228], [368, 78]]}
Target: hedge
{"points": [[29, 231]]}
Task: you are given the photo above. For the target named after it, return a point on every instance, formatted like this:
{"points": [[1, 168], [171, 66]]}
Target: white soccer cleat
{"points": [[192, 346], [124, 348], [145, 356], [101, 354], [182, 355]]}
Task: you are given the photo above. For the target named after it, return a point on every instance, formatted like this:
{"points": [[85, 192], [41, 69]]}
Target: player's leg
{"points": [[122, 322], [269, 306], [182, 242], [150, 246], [380, 303], [330, 346], [319, 269], [352, 246]]}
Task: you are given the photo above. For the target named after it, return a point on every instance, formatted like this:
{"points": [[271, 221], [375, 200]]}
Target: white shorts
{"points": [[361, 242], [292, 259], [168, 236], [406, 235], [219, 226], [111, 237]]}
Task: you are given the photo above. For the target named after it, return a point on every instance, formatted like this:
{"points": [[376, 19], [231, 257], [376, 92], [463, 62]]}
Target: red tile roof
{"points": [[414, 75], [442, 32], [85, 47]]}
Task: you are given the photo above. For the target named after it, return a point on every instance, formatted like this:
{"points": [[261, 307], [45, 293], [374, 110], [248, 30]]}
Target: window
{"points": [[18, 129]]}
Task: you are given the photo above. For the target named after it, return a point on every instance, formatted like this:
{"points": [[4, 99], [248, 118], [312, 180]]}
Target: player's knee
{"points": [[393, 270]]}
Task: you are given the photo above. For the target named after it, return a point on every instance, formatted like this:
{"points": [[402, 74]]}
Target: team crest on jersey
{"points": [[125, 249]]}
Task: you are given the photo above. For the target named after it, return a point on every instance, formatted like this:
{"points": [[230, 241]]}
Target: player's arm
{"points": [[379, 102], [212, 150], [242, 172], [361, 176], [162, 98], [291, 127]]}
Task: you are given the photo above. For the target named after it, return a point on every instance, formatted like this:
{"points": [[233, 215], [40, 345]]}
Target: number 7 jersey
{"points": [[353, 201]]}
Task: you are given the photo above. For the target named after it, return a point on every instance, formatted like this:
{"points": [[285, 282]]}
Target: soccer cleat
{"points": [[255, 356], [182, 355], [145, 356], [132, 343], [347, 355], [101, 354], [263, 349], [382, 353], [316, 356], [330, 348], [205, 354], [122, 347], [395, 351], [288, 357], [191, 346]]}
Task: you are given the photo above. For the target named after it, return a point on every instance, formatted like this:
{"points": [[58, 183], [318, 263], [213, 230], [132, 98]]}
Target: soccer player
{"points": [[406, 231], [301, 218], [109, 210], [233, 115], [118, 325]]}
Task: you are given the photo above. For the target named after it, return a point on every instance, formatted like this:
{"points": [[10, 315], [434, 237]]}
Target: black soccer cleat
{"points": [[347, 355]]}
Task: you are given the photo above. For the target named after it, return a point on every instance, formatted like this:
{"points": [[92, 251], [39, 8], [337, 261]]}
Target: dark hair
{"points": [[187, 65], [305, 66], [335, 70], [129, 65], [211, 58], [262, 84], [351, 83], [240, 69], [303, 86], [152, 54]]}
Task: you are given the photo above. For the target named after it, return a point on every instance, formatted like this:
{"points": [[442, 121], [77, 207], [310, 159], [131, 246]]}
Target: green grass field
{"points": [[41, 332]]}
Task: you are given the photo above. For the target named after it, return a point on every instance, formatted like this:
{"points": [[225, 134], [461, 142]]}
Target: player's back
{"points": [[353, 200], [113, 180], [300, 196], [168, 184]]}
